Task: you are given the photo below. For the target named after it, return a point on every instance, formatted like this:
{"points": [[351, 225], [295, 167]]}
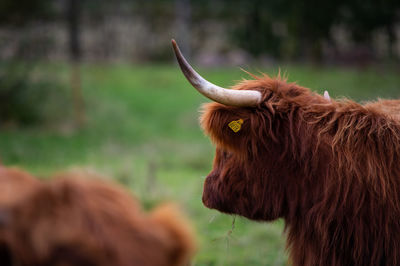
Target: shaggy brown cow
{"points": [[15, 186], [329, 168], [73, 220], [14, 180]]}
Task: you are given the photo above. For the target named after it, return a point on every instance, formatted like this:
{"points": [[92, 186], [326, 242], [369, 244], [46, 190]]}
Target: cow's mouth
{"points": [[213, 197], [209, 193]]}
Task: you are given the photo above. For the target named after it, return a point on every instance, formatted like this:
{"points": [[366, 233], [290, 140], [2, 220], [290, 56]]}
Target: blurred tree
{"points": [[255, 27], [285, 29], [309, 22], [18, 98], [22, 94], [364, 17], [21, 12], [75, 52], [296, 29]]}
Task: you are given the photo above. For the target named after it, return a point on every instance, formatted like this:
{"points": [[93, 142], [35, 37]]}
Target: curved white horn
{"points": [[214, 92], [326, 96]]}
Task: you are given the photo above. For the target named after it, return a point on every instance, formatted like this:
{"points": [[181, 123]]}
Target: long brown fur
{"points": [[75, 220], [15, 187], [330, 169]]}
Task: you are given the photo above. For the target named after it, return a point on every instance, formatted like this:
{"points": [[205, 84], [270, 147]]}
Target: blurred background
{"points": [[92, 85]]}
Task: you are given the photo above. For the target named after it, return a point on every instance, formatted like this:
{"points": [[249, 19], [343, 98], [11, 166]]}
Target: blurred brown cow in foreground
{"points": [[73, 220], [329, 168]]}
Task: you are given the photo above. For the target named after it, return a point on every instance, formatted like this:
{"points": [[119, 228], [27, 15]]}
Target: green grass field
{"points": [[142, 130]]}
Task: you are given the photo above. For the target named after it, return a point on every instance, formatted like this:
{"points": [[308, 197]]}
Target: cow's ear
{"points": [[181, 242], [228, 127]]}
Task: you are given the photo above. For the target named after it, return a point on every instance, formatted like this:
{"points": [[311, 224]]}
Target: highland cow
{"points": [[329, 168], [15, 187], [73, 220]]}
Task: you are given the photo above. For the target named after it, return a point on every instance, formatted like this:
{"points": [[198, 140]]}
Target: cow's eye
{"points": [[227, 155]]}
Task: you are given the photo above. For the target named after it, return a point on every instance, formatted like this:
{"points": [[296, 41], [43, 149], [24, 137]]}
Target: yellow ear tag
{"points": [[236, 125]]}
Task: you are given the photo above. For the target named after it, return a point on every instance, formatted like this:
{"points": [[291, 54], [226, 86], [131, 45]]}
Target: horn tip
{"points": [[326, 95], [175, 47], [173, 42]]}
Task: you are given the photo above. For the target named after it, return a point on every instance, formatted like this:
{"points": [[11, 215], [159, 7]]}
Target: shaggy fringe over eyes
{"points": [[350, 163]]}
